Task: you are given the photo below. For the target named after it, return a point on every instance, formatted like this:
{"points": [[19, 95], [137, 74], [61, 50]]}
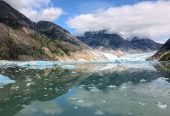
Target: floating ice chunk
{"points": [[98, 112], [29, 84], [161, 105], [130, 113], [80, 101], [104, 101], [75, 107], [5, 80], [163, 78], [142, 80], [68, 67], [111, 86], [73, 98], [82, 85], [28, 80], [124, 86], [142, 104], [15, 87], [125, 95], [94, 89], [45, 95], [73, 72]]}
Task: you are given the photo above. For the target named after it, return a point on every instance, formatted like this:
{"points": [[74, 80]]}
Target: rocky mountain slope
{"points": [[23, 39], [163, 53], [116, 42]]}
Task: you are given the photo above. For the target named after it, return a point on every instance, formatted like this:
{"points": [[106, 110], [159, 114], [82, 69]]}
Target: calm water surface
{"points": [[110, 89]]}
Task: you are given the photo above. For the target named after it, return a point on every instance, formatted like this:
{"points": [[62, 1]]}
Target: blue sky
{"points": [[129, 18]]}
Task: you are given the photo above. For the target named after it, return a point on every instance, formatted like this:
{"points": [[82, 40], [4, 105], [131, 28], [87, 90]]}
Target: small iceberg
{"points": [[5, 80], [161, 105]]}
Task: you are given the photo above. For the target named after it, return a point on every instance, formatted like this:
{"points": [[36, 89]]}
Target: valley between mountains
{"points": [[24, 40]]}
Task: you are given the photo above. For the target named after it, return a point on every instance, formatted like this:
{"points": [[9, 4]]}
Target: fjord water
{"points": [[108, 89]]}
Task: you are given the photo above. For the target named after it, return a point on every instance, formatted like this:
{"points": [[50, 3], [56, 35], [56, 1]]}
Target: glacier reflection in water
{"points": [[108, 89]]}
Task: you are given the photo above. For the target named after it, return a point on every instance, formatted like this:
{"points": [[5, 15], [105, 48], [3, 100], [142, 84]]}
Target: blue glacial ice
{"points": [[4, 80], [128, 57]]}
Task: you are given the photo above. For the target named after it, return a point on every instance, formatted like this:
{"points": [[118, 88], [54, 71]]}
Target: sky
{"points": [[129, 18]]}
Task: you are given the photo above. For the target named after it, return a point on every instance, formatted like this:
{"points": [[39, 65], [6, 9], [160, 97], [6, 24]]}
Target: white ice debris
{"points": [[111, 86], [94, 89], [80, 101], [28, 84], [161, 105], [142, 103], [68, 66], [98, 112], [73, 98], [142, 80], [124, 86], [5, 80], [75, 107], [30, 64]]}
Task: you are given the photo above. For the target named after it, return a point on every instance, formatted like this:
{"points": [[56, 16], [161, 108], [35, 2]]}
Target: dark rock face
{"points": [[145, 44], [165, 47], [13, 18], [50, 29], [115, 41], [97, 39], [56, 32], [163, 53]]}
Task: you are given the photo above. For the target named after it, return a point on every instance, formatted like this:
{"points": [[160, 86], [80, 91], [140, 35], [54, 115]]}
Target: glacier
{"points": [[128, 57], [111, 58]]}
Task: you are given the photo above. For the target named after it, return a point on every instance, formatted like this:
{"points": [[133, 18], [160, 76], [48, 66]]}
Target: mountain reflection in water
{"points": [[113, 89]]}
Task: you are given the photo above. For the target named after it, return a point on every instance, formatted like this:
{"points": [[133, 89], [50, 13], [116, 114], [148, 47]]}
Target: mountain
{"points": [[23, 39], [116, 42], [55, 32], [11, 17], [163, 54]]}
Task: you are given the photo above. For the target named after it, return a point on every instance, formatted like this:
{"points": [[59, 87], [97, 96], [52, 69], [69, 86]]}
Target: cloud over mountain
{"points": [[37, 9], [146, 19]]}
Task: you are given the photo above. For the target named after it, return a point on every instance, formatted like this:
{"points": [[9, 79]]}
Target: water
{"points": [[105, 89]]}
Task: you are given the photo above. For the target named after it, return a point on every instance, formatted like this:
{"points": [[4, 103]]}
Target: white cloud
{"points": [[145, 19], [48, 14], [37, 9]]}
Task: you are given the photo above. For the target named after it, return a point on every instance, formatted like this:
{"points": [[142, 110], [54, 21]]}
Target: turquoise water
{"points": [[107, 89]]}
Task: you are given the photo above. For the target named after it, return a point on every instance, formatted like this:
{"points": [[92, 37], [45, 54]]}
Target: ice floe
{"points": [[161, 105], [30, 64], [4, 80]]}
